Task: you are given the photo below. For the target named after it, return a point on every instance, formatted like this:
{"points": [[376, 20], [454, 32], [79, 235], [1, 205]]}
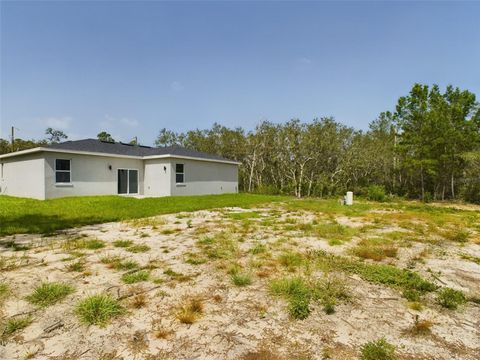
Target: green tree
{"points": [[55, 136], [105, 136]]}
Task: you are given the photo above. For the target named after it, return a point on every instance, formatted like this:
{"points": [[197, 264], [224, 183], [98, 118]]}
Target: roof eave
{"points": [[149, 157]]}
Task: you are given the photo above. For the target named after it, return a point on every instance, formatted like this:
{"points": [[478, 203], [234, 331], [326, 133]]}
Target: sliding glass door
{"points": [[127, 181]]}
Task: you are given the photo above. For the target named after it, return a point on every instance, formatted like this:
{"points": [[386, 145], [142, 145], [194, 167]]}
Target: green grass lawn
{"points": [[21, 215]]}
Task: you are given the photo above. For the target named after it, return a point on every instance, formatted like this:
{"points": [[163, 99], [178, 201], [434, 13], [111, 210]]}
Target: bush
{"points": [[376, 193], [377, 350], [450, 298]]}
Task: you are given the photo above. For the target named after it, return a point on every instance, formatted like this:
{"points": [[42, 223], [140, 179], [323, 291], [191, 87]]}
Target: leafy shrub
{"points": [[98, 309], [377, 350], [49, 293], [299, 307], [450, 298], [376, 193]]}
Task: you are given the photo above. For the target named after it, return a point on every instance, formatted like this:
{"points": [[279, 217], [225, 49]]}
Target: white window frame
{"points": [[128, 181], [183, 173], [64, 171]]}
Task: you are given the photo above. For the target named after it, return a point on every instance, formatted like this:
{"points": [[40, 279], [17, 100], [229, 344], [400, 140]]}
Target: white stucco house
{"points": [[94, 167]]}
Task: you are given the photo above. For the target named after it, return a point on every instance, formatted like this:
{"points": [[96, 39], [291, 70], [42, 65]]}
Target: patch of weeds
{"points": [[241, 279], [375, 273], [450, 298], [420, 327], [412, 295], [167, 232], [98, 309], [135, 277], [194, 259], [77, 266], [123, 243], [163, 333], [375, 249], [472, 258], [243, 215], [4, 291], [189, 223], [290, 259], [190, 311], [258, 249], [378, 350], [298, 294], [176, 276], [12, 245], [460, 236], [17, 323], [83, 243], [299, 307], [138, 248], [49, 293], [138, 301], [334, 231], [329, 290], [220, 246]]}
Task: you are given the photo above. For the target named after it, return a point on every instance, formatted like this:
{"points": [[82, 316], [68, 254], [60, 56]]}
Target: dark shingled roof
{"points": [[119, 148]]}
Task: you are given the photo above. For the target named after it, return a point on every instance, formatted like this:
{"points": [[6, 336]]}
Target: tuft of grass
{"points": [[375, 249], [89, 244], [12, 245], [4, 291], [135, 277], [241, 279], [123, 243], [49, 293], [140, 248], [290, 259], [138, 301], [77, 266], [98, 309], [219, 246], [450, 298], [17, 323], [421, 327], [258, 249], [378, 350], [190, 311]]}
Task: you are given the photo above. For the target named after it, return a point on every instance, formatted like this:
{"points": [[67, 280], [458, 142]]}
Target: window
{"points": [[179, 173], [62, 171]]}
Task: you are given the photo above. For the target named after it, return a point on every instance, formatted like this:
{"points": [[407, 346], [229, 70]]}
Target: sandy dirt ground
{"points": [[246, 322]]}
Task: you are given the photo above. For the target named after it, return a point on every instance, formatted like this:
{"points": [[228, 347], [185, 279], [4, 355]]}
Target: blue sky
{"points": [[132, 68]]}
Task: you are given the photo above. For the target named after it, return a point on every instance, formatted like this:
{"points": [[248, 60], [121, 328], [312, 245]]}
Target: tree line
{"points": [[428, 148]]}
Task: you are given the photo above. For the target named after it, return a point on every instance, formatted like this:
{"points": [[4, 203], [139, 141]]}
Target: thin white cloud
{"points": [[111, 121], [62, 123], [304, 61], [176, 86]]}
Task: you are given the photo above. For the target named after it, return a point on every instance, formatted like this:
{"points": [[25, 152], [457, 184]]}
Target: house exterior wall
{"points": [[157, 177], [90, 174], [23, 176], [204, 177]]}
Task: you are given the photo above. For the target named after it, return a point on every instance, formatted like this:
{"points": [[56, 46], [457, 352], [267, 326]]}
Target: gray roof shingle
{"points": [[118, 148]]}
